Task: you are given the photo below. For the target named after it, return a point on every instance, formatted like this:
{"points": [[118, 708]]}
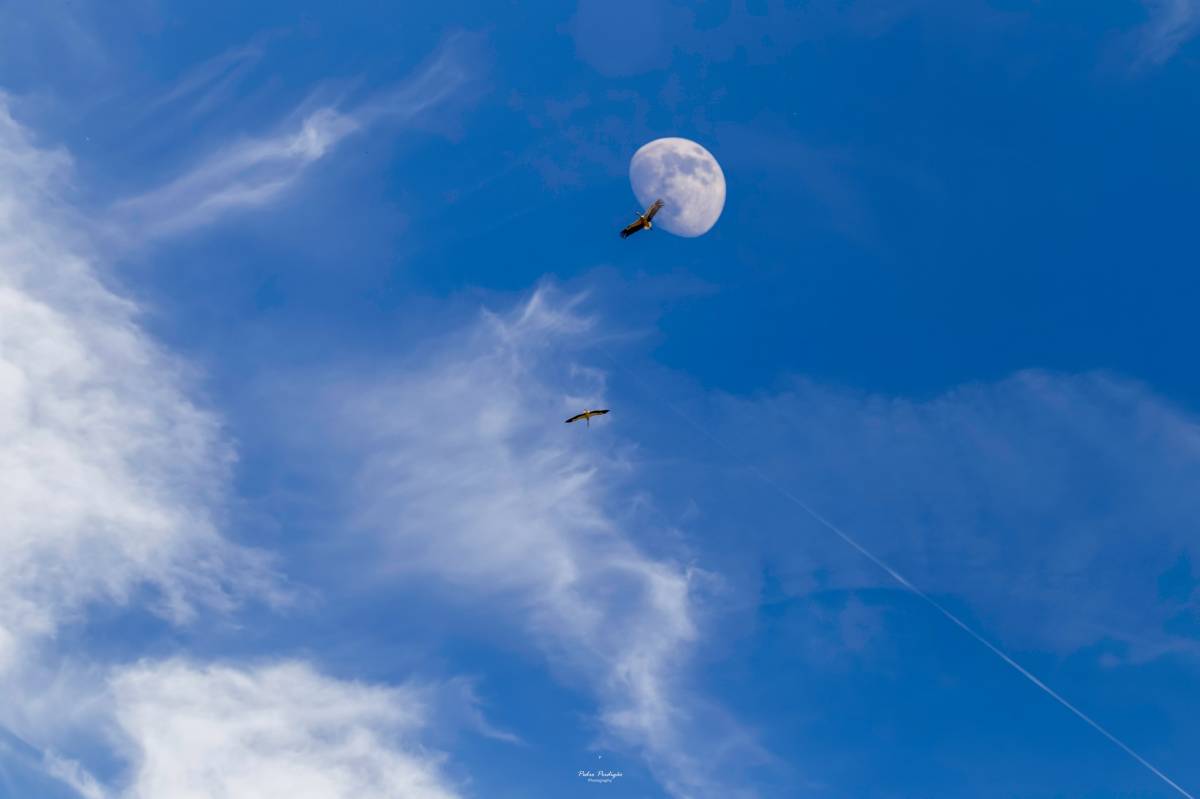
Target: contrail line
{"points": [[902, 580]]}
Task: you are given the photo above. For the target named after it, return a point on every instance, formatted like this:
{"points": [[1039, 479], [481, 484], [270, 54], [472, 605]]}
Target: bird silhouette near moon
{"points": [[687, 178]]}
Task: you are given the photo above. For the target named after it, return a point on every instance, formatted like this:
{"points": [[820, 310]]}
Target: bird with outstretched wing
{"points": [[587, 416], [643, 220]]}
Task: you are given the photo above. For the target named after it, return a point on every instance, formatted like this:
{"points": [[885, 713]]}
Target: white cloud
{"points": [[208, 85], [73, 774], [112, 484], [198, 732], [458, 703], [1052, 504], [110, 477], [1170, 25], [471, 477], [255, 171]]}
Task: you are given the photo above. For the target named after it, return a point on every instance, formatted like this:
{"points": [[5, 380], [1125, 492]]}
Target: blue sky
{"points": [[294, 298]]}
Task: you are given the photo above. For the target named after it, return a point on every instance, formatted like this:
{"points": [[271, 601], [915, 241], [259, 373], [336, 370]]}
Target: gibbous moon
{"points": [[687, 178]]}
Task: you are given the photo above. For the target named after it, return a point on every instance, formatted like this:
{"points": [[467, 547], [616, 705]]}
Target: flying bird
{"points": [[587, 416], [643, 220]]}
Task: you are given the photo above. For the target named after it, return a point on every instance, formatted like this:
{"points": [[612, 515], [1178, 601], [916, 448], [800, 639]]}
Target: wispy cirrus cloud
{"points": [[469, 477], [1170, 25], [207, 85], [1052, 504], [110, 476], [256, 171]]}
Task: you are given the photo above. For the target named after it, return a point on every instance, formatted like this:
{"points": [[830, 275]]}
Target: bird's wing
{"points": [[654, 209], [632, 228], [576, 417], [600, 413]]}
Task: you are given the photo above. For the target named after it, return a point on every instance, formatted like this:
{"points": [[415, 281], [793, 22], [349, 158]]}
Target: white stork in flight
{"points": [[587, 416]]}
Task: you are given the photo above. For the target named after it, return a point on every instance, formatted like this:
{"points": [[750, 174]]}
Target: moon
{"points": [[687, 178]]}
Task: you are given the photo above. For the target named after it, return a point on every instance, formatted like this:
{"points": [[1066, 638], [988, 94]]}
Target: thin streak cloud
{"points": [[254, 172], [1171, 24]]}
